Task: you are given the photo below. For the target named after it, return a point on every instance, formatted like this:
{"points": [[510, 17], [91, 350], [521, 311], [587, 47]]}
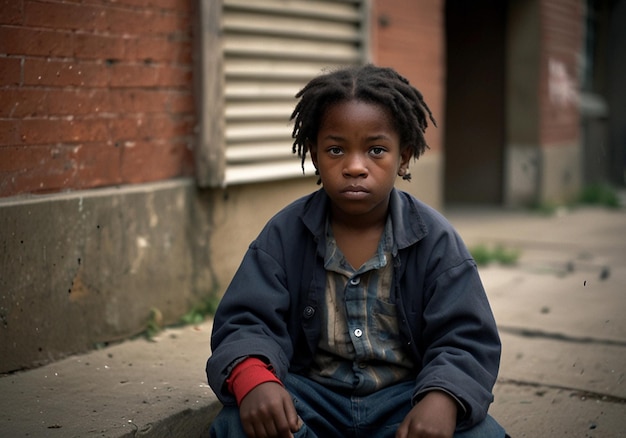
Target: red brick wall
{"points": [[408, 35], [94, 93], [561, 44]]}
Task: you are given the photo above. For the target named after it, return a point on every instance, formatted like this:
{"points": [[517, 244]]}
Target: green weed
{"points": [[154, 324], [599, 194], [199, 312], [484, 255]]}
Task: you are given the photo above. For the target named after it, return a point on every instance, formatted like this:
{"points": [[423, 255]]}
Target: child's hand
{"points": [[268, 411], [434, 416]]}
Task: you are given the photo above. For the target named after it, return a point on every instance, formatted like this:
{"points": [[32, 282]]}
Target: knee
{"points": [[227, 424], [488, 428]]}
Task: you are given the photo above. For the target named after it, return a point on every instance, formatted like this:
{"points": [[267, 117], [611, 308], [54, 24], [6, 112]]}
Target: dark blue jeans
{"points": [[327, 414]]}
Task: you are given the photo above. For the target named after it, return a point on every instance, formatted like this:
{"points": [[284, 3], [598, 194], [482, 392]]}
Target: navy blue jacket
{"points": [[271, 307]]}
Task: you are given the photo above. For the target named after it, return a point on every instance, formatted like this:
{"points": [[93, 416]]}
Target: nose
{"points": [[355, 165]]}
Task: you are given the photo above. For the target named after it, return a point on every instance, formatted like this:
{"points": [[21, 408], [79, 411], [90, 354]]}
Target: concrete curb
{"points": [[136, 388]]}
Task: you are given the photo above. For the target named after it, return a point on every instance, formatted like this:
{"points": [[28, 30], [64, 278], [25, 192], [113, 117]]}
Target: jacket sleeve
{"points": [[250, 320], [460, 341]]}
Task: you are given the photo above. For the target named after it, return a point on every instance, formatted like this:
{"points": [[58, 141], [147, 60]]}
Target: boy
{"points": [[357, 311]]}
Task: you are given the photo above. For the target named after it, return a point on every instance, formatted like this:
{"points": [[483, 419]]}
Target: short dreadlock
{"points": [[369, 83]]}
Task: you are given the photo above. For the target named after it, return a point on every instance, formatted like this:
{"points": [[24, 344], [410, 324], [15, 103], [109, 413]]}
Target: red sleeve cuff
{"points": [[247, 375]]}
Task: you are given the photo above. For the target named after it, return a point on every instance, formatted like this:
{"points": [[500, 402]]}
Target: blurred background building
{"points": [[144, 143]]}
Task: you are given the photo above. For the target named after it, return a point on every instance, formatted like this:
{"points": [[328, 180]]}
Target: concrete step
{"points": [[137, 388]]}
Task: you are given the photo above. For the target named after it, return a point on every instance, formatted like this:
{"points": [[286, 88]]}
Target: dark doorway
{"points": [[475, 106]]}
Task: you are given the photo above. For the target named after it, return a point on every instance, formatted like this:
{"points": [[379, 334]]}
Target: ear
{"points": [[405, 157]]}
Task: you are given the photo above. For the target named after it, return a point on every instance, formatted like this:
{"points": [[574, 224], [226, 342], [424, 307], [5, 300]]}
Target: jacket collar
{"points": [[408, 226]]}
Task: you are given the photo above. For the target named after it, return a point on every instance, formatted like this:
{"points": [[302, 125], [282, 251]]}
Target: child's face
{"points": [[358, 156]]}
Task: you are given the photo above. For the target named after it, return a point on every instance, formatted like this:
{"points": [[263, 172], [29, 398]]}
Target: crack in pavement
{"points": [[581, 393], [533, 333]]}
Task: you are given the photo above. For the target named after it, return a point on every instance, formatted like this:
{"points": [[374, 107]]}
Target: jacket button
{"points": [[308, 312]]}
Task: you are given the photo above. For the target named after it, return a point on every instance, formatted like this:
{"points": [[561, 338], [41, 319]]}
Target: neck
{"points": [[371, 221]]}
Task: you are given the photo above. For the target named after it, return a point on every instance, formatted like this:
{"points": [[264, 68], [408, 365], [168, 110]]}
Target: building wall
{"points": [[561, 33], [94, 94], [561, 36], [85, 268], [543, 153]]}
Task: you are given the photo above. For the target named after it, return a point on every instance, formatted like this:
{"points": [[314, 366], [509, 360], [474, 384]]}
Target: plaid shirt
{"points": [[360, 348]]}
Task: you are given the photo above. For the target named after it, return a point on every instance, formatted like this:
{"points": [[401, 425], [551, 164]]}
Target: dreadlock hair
{"points": [[369, 83]]}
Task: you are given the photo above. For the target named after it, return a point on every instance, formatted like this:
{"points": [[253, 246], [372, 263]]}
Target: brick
{"points": [[144, 22], [38, 169], [16, 159], [166, 127], [19, 102], [37, 102], [147, 127], [181, 102], [133, 100], [44, 131], [174, 76], [78, 102], [87, 46], [66, 16], [124, 128], [132, 75], [162, 48], [11, 11], [98, 165], [10, 71], [137, 161], [153, 161], [121, 96], [21, 41], [180, 6], [8, 132], [64, 73]]}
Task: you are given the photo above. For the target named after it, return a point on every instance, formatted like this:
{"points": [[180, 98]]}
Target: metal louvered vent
{"points": [[271, 49]]}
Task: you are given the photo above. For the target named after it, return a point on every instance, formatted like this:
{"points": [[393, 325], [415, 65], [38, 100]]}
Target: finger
{"points": [[280, 426], [269, 430], [402, 430], [293, 419], [259, 430], [248, 429]]}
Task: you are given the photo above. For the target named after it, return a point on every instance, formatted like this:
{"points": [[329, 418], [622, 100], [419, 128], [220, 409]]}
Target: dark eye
{"points": [[377, 151], [334, 150]]}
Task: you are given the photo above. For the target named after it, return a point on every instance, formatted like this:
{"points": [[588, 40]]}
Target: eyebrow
{"points": [[370, 138]]}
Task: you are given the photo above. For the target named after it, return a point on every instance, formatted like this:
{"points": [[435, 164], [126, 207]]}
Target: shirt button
{"points": [[308, 312], [358, 333], [354, 281]]}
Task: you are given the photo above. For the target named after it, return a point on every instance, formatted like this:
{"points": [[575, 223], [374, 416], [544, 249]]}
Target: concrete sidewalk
{"points": [[560, 311], [561, 314]]}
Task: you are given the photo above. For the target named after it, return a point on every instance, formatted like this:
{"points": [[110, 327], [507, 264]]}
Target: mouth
{"points": [[354, 188], [355, 192]]}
